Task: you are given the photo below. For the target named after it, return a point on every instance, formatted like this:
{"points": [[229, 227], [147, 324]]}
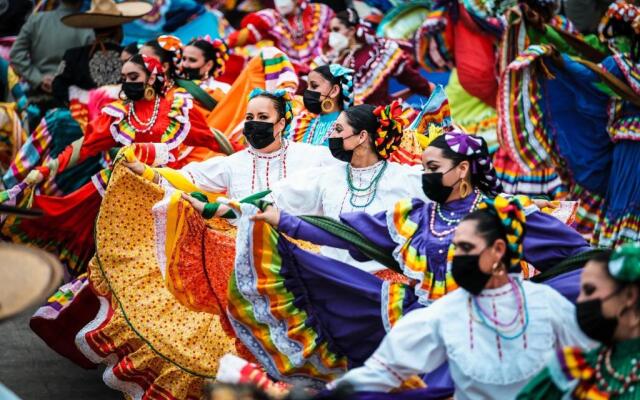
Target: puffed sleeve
{"points": [[97, 138], [300, 193], [212, 175], [413, 346], [547, 241]]}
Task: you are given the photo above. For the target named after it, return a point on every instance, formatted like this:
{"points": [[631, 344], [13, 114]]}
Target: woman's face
{"points": [[318, 83], [338, 27], [468, 242], [433, 160], [596, 283], [132, 72], [193, 57], [342, 129], [262, 109]]}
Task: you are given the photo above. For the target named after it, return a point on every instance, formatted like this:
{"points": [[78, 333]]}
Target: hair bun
{"points": [[622, 11], [393, 119]]}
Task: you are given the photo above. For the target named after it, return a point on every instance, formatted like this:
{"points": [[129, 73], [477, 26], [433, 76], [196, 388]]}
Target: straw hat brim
{"points": [[28, 277], [129, 11]]}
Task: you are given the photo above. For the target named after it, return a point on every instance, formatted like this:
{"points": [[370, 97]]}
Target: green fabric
{"points": [[541, 387], [198, 93], [625, 263], [210, 210], [199, 196], [354, 237]]}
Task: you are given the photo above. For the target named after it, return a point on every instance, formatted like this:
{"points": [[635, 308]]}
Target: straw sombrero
{"points": [[108, 13], [28, 277]]}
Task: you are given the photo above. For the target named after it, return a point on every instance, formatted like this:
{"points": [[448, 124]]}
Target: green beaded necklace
{"points": [[372, 188]]}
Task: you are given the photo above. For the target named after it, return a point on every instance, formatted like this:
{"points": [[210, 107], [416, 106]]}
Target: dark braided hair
{"points": [[480, 177], [363, 118], [211, 53]]}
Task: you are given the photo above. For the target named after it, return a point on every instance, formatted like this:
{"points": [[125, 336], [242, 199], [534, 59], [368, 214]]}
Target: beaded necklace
{"points": [[499, 327], [368, 192], [282, 154], [435, 209], [145, 126], [604, 359]]}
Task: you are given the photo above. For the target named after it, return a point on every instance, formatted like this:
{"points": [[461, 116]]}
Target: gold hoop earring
{"points": [[326, 105], [149, 93], [465, 189]]}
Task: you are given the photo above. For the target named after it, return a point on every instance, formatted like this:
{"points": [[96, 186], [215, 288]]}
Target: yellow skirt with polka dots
{"points": [[160, 336]]}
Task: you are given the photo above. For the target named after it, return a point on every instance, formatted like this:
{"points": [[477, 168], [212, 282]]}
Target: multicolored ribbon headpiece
{"points": [[511, 214], [281, 94], [154, 66], [345, 78], [221, 52], [475, 147], [620, 11], [172, 44], [624, 265], [393, 119]]}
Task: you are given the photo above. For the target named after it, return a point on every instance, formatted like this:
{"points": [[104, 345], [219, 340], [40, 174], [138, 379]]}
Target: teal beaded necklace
{"points": [[369, 190]]}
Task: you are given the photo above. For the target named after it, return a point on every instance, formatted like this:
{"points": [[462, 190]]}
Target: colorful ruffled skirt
{"points": [[159, 329]]}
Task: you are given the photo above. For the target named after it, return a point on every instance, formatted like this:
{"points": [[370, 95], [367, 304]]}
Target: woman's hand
{"points": [[271, 216], [135, 166], [197, 204], [541, 203]]}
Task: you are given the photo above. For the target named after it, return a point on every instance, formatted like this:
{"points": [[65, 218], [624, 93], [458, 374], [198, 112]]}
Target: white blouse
{"points": [[482, 364], [247, 172], [327, 193]]}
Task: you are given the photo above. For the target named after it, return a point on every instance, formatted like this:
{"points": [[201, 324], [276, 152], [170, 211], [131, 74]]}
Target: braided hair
{"points": [[483, 175], [343, 77], [384, 125], [502, 218], [213, 50]]}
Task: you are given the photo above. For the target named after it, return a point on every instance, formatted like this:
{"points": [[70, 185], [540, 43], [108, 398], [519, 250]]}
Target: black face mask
{"points": [[433, 187], [259, 134], [336, 146], [467, 274], [593, 323], [191, 73], [312, 101], [133, 90]]}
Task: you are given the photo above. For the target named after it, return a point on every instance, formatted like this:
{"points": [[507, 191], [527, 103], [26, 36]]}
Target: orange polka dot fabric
{"points": [[154, 346]]}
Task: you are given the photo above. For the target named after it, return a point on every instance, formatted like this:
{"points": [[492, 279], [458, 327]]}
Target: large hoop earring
{"points": [[122, 96], [465, 189], [149, 93], [326, 105]]}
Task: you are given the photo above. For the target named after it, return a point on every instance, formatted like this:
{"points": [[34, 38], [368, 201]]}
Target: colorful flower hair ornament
{"points": [[345, 79], [393, 119], [221, 53], [174, 45], [511, 214], [619, 11], [282, 94]]}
